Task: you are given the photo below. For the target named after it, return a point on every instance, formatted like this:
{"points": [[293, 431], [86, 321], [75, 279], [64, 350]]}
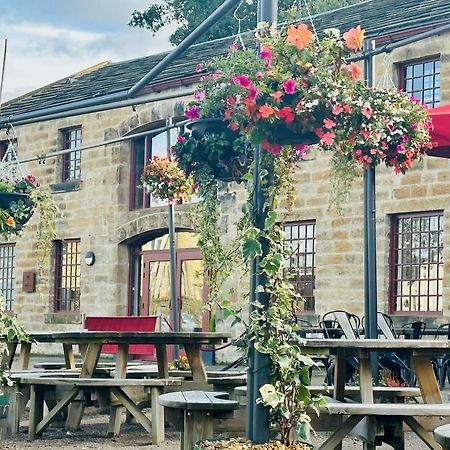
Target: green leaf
{"points": [[251, 248], [271, 220]]}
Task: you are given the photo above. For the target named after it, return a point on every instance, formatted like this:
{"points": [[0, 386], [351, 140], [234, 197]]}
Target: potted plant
{"points": [[164, 179]]}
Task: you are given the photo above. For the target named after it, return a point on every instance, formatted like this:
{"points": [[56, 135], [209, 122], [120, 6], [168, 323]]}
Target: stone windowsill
{"points": [[63, 318], [66, 186]]}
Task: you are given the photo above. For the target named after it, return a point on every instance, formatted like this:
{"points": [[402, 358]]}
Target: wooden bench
{"points": [[39, 385], [442, 436], [192, 413], [400, 393], [392, 414], [228, 384]]}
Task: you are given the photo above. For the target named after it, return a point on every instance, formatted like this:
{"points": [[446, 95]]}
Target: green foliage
{"points": [[13, 331], [190, 13]]}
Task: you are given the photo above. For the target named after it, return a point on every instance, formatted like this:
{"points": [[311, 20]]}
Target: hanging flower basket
{"points": [[212, 125]]}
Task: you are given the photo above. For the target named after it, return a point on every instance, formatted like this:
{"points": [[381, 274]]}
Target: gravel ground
{"points": [[93, 435]]}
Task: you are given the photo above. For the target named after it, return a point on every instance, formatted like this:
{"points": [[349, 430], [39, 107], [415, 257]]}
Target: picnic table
{"points": [[90, 344], [420, 352]]}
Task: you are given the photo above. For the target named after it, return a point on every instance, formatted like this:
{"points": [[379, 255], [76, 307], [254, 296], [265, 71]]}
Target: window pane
{"points": [[422, 81], [418, 267], [72, 160], [7, 273], [300, 238], [67, 275]]}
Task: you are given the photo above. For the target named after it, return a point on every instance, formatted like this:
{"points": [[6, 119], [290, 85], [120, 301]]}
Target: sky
{"points": [[50, 39]]}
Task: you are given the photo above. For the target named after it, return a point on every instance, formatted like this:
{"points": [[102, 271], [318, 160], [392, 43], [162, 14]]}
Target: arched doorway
{"points": [[150, 280]]}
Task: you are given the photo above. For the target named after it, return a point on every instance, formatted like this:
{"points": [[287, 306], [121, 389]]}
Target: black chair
{"points": [[441, 364], [341, 324], [414, 330]]}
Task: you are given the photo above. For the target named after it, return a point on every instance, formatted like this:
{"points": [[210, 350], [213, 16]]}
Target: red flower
{"points": [[286, 114], [328, 138], [266, 111]]}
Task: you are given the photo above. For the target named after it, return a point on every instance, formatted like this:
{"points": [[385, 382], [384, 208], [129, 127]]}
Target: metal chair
{"points": [[414, 329], [441, 364]]}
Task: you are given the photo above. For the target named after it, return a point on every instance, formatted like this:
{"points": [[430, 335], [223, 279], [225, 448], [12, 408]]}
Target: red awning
{"points": [[440, 135]]}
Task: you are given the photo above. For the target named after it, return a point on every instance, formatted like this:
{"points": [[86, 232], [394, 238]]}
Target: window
{"points": [[301, 238], [67, 275], [71, 166], [143, 149], [416, 262], [422, 79], [7, 273]]}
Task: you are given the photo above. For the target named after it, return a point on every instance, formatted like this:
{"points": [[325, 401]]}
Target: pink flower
{"points": [[367, 112], [192, 113], [199, 67], [366, 133], [252, 93], [266, 54], [243, 81], [289, 86], [400, 148], [180, 138], [199, 96], [390, 127], [301, 150], [347, 108], [405, 139], [328, 123], [328, 138], [259, 75], [337, 109], [276, 149], [234, 47]]}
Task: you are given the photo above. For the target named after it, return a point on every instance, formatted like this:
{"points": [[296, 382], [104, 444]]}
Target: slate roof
{"points": [[378, 17]]}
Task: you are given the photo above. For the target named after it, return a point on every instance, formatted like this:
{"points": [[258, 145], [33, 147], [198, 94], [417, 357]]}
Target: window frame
{"points": [[68, 174], [10, 269], [297, 283], [415, 62], [393, 264], [148, 153], [58, 301]]}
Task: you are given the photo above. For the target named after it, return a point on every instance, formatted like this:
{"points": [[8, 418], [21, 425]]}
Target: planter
{"points": [[238, 443], [7, 200], [286, 136], [201, 127]]}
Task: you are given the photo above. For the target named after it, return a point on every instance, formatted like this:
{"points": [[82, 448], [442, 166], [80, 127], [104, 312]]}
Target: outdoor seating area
{"points": [[57, 393]]}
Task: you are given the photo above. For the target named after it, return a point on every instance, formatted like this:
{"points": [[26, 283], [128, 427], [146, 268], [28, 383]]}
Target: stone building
{"points": [[110, 136]]}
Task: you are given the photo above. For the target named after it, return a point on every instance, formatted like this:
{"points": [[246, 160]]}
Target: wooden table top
{"points": [[130, 337]]}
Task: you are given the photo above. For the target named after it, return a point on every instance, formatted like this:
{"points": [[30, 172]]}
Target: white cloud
{"points": [[42, 51]]}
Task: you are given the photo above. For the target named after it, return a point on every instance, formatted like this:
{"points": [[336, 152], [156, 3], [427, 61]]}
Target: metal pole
{"points": [[173, 280], [172, 257], [259, 364], [370, 240]]}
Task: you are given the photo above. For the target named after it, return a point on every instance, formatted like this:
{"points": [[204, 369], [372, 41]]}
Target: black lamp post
{"points": [[259, 364]]}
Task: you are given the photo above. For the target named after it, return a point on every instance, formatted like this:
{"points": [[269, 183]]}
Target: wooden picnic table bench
{"points": [[192, 413], [39, 385], [391, 414], [228, 384]]}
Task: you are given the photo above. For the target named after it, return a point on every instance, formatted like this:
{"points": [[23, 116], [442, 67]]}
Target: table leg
{"points": [[69, 358], [161, 358], [120, 372], [24, 357], [340, 362], [195, 362], [76, 408], [426, 379]]}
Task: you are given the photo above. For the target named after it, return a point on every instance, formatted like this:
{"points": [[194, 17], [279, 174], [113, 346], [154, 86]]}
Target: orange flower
{"points": [[277, 95], [266, 111], [10, 222], [353, 70], [354, 38], [299, 36]]}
